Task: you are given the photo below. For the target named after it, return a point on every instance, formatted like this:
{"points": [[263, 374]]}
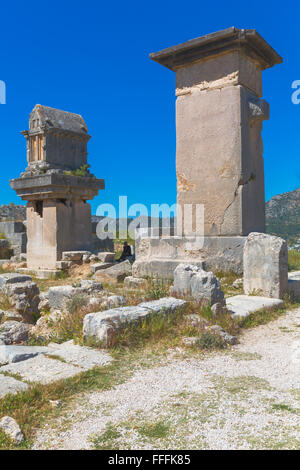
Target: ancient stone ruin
{"points": [[219, 162], [58, 215]]}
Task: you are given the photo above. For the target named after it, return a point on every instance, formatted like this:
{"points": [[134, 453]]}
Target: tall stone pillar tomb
{"points": [[58, 214]]}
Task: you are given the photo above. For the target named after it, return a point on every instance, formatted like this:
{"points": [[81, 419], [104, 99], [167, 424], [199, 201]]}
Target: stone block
{"points": [[158, 257], [60, 295], [242, 306], [13, 278], [265, 266], [99, 266], [106, 257], [74, 255], [102, 326], [81, 356], [194, 282], [11, 354], [135, 282], [116, 273]]}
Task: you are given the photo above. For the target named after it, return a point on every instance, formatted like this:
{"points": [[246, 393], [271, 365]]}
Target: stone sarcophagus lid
{"points": [[57, 185], [55, 139]]}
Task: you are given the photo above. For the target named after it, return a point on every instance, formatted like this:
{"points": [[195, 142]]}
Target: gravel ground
{"points": [[244, 398]]}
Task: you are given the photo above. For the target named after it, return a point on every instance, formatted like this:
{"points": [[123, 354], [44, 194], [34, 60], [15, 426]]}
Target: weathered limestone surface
{"points": [[11, 385], [135, 282], [116, 273], [194, 282], [42, 369], [13, 278], [102, 326], [10, 354], [74, 255], [265, 266], [84, 357], [242, 306], [14, 332], [99, 266], [10, 427], [106, 256], [59, 296]]}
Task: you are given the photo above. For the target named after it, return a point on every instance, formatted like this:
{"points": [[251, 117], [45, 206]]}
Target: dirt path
{"points": [[245, 398]]}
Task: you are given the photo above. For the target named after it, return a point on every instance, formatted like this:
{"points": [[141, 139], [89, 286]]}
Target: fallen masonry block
{"points": [[135, 282], [14, 332], [63, 265], [59, 296], [265, 265], [116, 273], [102, 326], [106, 257], [74, 255], [193, 281], [241, 306], [11, 385], [98, 266], [13, 278]]}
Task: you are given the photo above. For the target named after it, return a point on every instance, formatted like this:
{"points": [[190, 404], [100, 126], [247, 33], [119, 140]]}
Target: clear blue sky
{"points": [[92, 58]]}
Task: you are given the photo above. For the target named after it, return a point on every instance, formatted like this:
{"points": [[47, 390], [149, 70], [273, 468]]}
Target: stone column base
{"points": [[158, 257]]}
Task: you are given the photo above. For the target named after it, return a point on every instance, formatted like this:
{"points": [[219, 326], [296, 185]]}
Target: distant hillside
{"points": [[283, 215], [12, 212]]}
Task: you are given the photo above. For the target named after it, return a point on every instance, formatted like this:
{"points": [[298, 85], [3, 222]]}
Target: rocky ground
{"points": [[246, 397]]}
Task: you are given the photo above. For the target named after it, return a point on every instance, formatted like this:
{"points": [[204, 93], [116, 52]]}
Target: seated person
{"points": [[126, 252]]}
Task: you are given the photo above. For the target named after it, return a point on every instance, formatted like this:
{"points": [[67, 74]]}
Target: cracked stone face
{"points": [[219, 159]]}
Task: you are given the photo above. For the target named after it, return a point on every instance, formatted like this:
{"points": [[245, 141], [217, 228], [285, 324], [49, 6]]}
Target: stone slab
{"points": [[81, 356], [102, 326], [11, 385], [13, 278], [42, 370], [106, 256], [98, 266], [242, 306], [13, 354]]}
